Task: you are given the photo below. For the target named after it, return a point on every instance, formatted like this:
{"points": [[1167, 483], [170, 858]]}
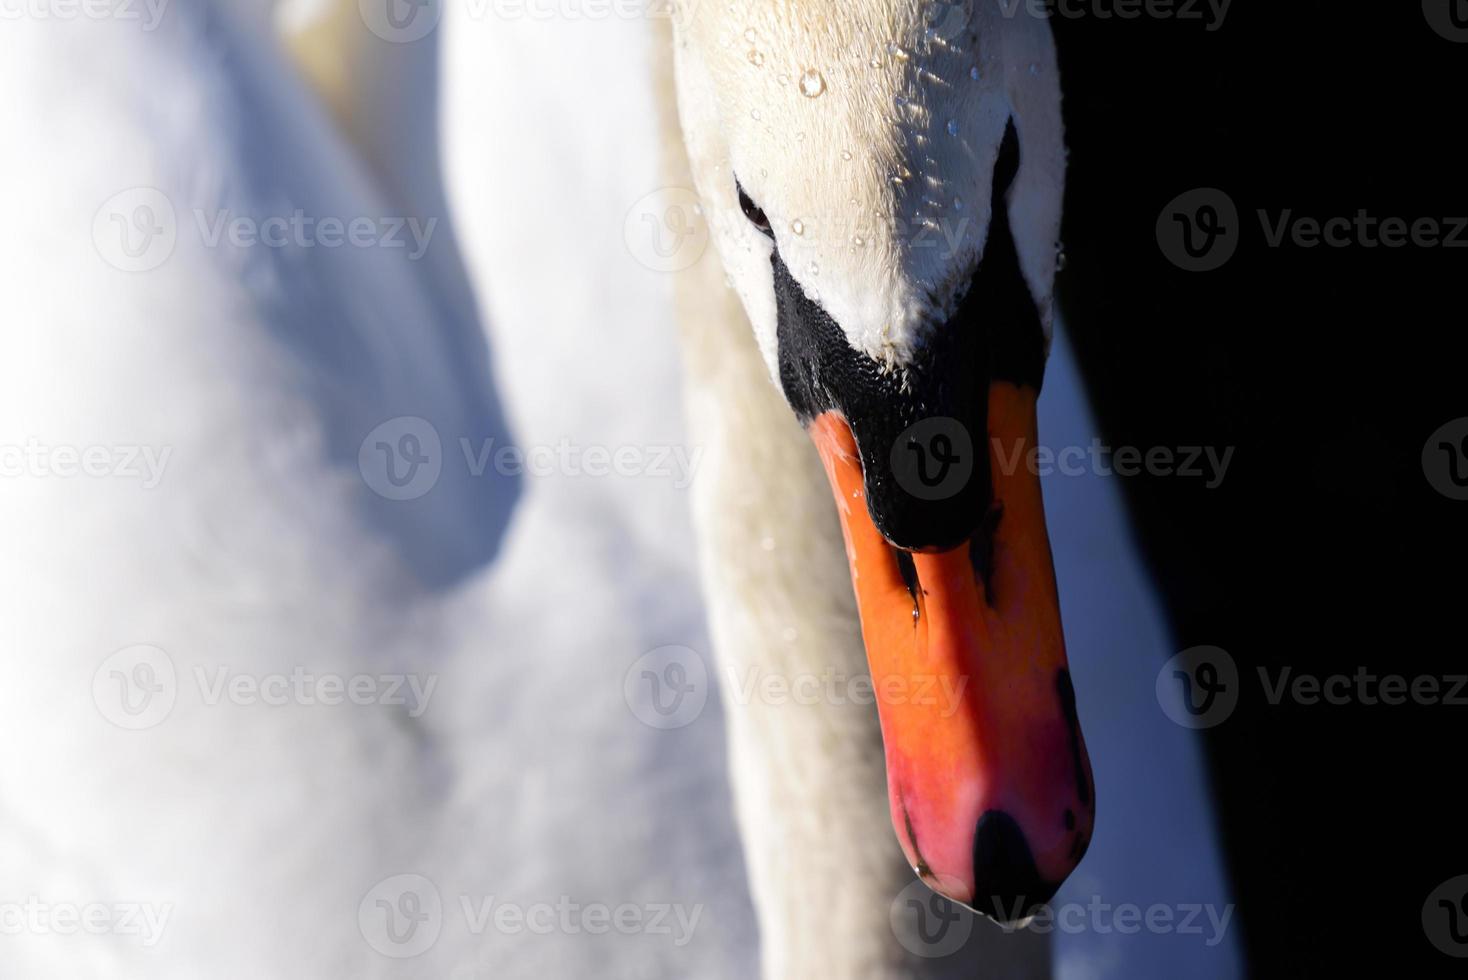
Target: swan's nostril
{"points": [[1007, 886]]}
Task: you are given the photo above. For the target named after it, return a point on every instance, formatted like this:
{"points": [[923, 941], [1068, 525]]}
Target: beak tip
{"points": [[1008, 886]]}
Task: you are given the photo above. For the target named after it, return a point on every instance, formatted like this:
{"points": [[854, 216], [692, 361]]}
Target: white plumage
{"points": [[259, 830]]}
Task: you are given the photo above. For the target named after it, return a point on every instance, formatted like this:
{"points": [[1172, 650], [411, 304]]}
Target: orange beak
{"points": [[988, 779]]}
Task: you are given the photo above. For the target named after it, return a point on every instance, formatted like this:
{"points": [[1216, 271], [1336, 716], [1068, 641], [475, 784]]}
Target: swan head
{"points": [[883, 181]]}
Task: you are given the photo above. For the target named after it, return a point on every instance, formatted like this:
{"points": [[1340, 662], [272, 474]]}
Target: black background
{"points": [[1325, 549]]}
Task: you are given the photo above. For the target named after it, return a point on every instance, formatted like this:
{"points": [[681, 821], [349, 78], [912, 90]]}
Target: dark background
{"points": [[1325, 549]]}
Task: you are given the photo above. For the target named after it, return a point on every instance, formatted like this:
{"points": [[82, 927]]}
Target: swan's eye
{"points": [[753, 213]]}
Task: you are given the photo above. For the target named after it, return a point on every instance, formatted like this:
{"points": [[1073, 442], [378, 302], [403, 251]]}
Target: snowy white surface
{"points": [[264, 833]]}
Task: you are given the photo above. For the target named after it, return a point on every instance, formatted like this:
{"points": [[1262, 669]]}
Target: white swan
{"points": [[849, 137], [264, 830], [821, 856]]}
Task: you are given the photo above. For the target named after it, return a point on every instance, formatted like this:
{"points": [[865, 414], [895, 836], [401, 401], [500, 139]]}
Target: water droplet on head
{"points": [[858, 241], [1034, 68], [749, 35], [953, 127], [974, 73], [754, 114], [958, 204], [846, 154], [784, 79], [812, 83], [756, 58], [798, 226], [815, 269]]}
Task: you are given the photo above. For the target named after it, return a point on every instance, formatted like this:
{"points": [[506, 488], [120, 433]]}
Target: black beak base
{"points": [[930, 417]]}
